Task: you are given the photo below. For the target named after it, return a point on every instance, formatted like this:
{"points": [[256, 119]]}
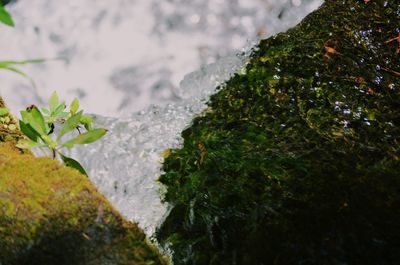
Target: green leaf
{"points": [[69, 125], [74, 106], [5, 17], [9, 65], [36, 120], [15, 70], [69, 162], [58, 110], [4, 111], [29, 131], [48, 141], [86, 119], [87, 122], [64, 114], [86, 138], [28, 144], [4, 64], [45, 111], [53, 101], [25, 116]]}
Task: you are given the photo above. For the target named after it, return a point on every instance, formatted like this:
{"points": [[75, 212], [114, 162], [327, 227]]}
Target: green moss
{"points": [[8, 125], [297, 160], [51, 214]]}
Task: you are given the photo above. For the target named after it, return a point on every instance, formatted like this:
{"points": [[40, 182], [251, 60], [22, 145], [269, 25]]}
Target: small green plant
{"points": [[47, 127]]}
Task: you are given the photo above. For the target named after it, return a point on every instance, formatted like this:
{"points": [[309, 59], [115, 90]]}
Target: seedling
{"points": [[46, 128], [39, 126]]}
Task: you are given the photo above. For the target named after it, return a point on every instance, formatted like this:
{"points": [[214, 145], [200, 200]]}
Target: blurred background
{"points": [[121, 56]]}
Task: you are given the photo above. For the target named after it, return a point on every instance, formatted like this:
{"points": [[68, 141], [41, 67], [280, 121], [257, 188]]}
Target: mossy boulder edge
{"points": [[51, 214], [297, 160]]}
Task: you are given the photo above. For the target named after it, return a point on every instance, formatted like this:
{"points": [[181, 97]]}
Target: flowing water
{"points": [[126, 61]]}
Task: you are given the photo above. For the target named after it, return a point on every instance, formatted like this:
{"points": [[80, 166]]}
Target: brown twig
{"points": [[395, 39], [391, 71]]}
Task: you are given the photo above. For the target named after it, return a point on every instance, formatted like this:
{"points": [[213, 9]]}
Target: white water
{"points": [[120, 59], [126, 163]]}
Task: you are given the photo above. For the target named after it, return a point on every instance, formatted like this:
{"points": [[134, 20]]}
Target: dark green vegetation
{"points": [[297, 161], [51, 214]]}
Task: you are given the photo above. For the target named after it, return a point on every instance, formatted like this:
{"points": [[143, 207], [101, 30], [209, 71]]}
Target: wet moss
{"points": [[297, 160], [51, 214]]}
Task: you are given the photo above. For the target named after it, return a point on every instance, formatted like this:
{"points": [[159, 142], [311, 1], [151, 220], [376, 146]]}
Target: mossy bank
{"points": [[51, 214], [297, 160]]}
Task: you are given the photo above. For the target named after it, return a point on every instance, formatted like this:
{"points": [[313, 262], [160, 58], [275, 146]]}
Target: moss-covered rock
{"points": [[8, 125], [297, 161], [51, 214]]}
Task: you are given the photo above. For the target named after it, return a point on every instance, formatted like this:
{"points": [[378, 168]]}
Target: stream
{"points": [[128, 63]]}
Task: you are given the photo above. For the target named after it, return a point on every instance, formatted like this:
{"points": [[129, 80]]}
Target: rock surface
{"points": [[297, 160], [51, 214]]}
